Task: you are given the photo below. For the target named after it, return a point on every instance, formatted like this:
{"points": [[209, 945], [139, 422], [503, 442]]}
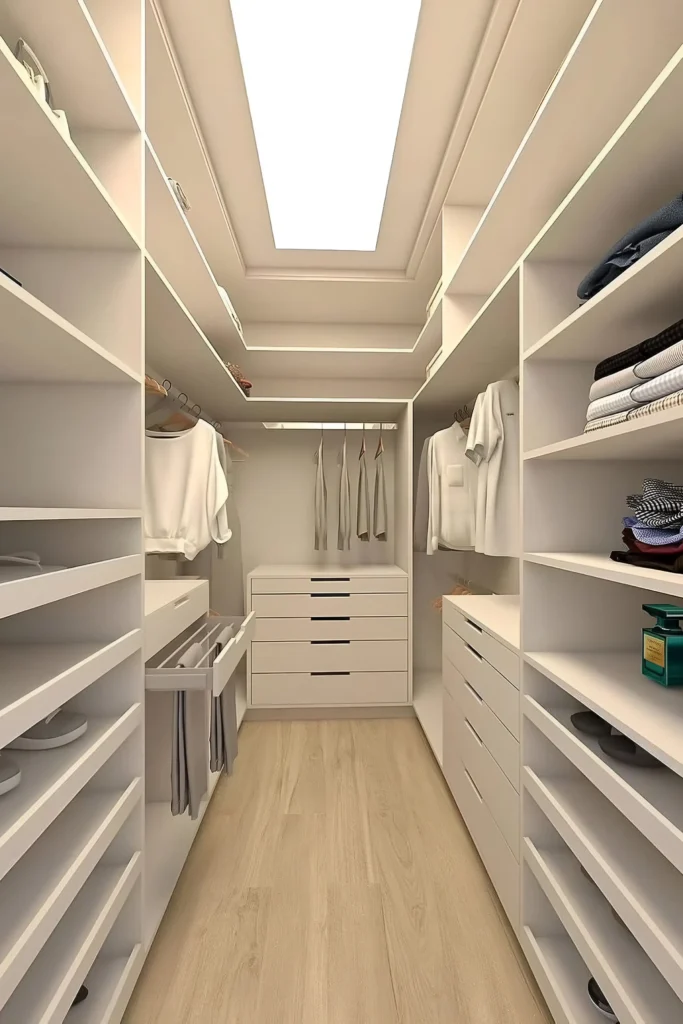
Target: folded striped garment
{"points": [[652, 535], [669, 402], [643, 350], [660, 504], [669, 359], [641, 394]]}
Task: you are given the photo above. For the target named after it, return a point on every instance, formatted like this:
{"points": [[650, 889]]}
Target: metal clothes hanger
{"points": [[380, 444], [363, 446]]}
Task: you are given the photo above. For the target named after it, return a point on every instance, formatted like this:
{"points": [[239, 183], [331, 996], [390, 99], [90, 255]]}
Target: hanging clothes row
{"points": [[369, 522], [467, 495]]}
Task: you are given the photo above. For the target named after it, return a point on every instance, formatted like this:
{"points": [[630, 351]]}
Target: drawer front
{"points": [[163, 625], [330, 584], [500, 797], [231, 655], [500, 694], [451, 730], [452, 680], [496, 653], [501, 744], [306, 606], [292, 689], [335, 656], [501, 865], [340, 627]]}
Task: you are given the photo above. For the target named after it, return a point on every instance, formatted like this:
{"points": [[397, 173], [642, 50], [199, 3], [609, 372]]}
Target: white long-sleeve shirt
{"points": [[451, 519], [493, 446], [185, 492]]}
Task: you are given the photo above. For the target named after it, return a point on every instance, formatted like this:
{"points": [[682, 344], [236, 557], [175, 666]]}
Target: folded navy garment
{"points": [[644, 350], [632, 247]]}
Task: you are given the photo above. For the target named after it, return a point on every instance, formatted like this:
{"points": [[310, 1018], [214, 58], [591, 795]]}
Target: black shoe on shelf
{"points": [[621, 748], [590, 724], [597, 998], [80, 996]]}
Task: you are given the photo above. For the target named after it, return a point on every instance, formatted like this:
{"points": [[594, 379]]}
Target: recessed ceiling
{"points": [[325, 84]]}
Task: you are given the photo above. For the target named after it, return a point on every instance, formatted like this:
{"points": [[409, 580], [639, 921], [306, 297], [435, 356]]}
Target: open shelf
{"points": [[39, 345], [20, 594], [36, 679], [428, 705], [50, 779], [17, 514], [602, 567], [49, 987], [488, 350], [612, 684], [30, 216], [110, 984], [652, 801], [42, 886], [656, 436], [644, 888], [562, 976], [80, 57], [635, 988]]}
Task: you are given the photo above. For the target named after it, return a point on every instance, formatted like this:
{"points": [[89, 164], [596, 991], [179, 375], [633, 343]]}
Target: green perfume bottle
{"points": [[663, 645]]}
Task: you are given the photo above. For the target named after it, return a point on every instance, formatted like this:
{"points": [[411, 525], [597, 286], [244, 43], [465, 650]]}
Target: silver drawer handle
{"points": [[472, 784], [479, 700], [476, 654], [474, 733]]}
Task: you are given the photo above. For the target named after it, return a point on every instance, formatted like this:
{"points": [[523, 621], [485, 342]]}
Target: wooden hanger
{"points": [[153, 387]]}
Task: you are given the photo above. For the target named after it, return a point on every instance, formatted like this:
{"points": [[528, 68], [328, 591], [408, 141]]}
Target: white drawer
{"points": [[222, 642], [306, 606], [289, 689], [170, 607], [333, 627], [499, 741], [499, 794], [499, 861], [500, 694], [331, 656], [330, 583], [496, 653], [450, 763]]}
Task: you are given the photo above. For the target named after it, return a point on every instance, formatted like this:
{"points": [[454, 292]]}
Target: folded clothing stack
{"points": [[653, 535], [639, 381]]}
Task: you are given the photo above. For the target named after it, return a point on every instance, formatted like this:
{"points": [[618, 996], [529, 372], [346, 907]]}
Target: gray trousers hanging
{"points": [[379, 520], [189, 747], [320, 500], [223, 727], [363, 508], [344, 532]]}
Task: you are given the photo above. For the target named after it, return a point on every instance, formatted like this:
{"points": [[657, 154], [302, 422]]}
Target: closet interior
{"points": [[180, 550]]}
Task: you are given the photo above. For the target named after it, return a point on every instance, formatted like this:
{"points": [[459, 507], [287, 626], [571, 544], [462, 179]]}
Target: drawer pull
{"points": [[326, 642], [330, 618], [479, 700], [476, 654], [474, 733], [330, 673], [330, 579], [329, 595], [474, 625], [472, 784], [180, 601]]}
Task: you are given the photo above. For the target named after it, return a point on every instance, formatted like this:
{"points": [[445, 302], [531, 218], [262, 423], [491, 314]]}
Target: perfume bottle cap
{"points": [[668, 616]]}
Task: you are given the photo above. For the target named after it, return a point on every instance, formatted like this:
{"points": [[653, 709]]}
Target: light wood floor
{"points": [[333, 882]]}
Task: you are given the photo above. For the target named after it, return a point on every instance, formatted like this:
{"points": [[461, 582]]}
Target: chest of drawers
{"points": [[481, 754], [326, 636]]}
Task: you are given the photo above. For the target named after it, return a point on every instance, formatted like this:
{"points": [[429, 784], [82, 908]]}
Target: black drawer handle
{"points": [[474, 625], [330, 673], [329, 595], [330, 618], [476, 654], [329, 642], [330, 579]]}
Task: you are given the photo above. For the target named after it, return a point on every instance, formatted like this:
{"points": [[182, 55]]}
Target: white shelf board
{"points": [[48, 989], [40, 346], [81, 57], [75, 212], [611, 684], [584, 226], [323, 410], [168, 841], [562, 976], [19, 595], [652, 801], [643, 887], [303, 570], [428, 705], [636, 990], [622, 312], [488, 350], [110, 985], [39, 890], [36, 679], [602, 567], [178, 348], [656, 436], [174, 248], [545, 166], [498, 614], [50, 779], [17, 514]]}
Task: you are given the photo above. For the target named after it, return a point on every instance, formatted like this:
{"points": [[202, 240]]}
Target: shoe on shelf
{"points": [[58, 729], [10, 774], [590, 724], [621, 748], [80, 995], [597, 998]]}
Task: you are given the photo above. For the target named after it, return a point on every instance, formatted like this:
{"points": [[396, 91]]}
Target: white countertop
{"points": [[277, 571], [498, 614]]}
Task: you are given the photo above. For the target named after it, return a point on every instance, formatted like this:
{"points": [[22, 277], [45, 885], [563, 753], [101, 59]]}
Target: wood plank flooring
{"points": [[333, 882]]}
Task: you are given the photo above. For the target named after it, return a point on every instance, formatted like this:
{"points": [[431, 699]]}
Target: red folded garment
{"points": [[637, 545]]}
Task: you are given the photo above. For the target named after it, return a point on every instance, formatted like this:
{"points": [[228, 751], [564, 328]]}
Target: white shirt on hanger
{"points": [[451, 519], [493, 446], [185, 491]]}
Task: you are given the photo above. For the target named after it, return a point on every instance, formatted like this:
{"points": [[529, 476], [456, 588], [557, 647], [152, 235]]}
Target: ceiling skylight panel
{"points": [[325, 81]]}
